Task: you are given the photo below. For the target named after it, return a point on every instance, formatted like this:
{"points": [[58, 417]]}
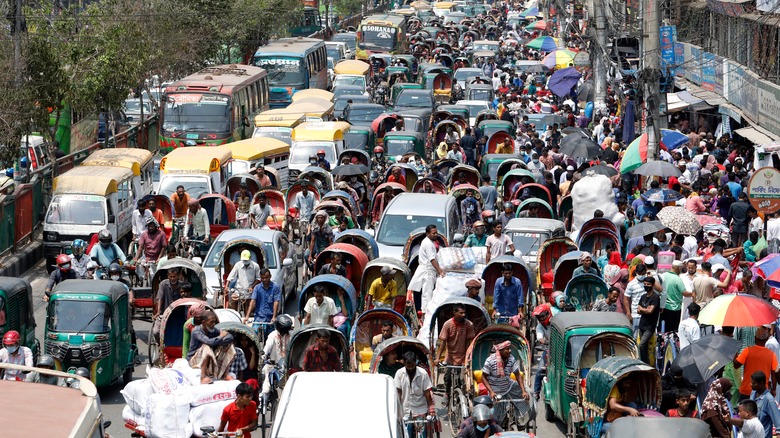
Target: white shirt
{"points": [[427, 254], [245, 276], [752, 429], [320, 313], [756, 225], [773, 345], [497, 245], [139, 222], [634, 291], [22, 357], [688, 332], [275, 348], [772, 229], [413, 392], [455, 155], [690, 247], [199, 222]]}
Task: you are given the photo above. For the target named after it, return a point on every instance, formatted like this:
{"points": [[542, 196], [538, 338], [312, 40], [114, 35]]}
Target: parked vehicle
{"points": [[17, 312]]}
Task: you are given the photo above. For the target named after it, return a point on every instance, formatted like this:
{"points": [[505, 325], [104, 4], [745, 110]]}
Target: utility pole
{"points": [[651, 74], [599, 66]]}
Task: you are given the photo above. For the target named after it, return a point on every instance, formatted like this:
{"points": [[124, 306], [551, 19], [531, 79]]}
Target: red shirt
{"points": [[312, 361], [239, 418]]}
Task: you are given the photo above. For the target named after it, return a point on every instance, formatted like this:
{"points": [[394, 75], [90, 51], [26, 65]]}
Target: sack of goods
{"points": [[456, 259]]}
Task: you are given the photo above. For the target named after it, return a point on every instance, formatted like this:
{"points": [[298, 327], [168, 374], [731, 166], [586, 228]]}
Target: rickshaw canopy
{"points": [[304, 337], [606, 373], [438, 186], [402, 344], [372, 271], [361, 239], [329, 281], [316, 92], [352, 67], [255, 246], [585, 289], [545, 211], [492, 273], [320, 131]]}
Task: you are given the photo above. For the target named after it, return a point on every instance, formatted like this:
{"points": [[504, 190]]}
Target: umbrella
{"points": [[704, 357], [559, 59], [661, 195], [660, 168], [645, 228], [580, 146], [530, 12], [636, 154], [574, 130], [538, 68], [543, 43], [673, 139], [536, 25], [738, 310], [773, 280], [585, 92], [679, 220], [562, 81], [767, 266], [601, 169], [349, 170]]}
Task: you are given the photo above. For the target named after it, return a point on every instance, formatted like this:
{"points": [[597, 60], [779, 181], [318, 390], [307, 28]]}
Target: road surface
{"points": [[112, 400]]}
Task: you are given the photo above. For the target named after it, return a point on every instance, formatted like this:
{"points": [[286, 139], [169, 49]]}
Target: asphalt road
{"points": [[112, 400]]}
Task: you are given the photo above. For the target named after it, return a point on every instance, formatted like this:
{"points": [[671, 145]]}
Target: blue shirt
{"points": [[506, 299], [264, 301], [768, 413], [735, 188]]}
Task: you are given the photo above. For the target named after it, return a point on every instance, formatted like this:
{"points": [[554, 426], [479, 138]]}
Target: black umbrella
{"points": [[538, 68], [645, 228], [349, 170], [580, 146], [661, 168], [705, 357], [574, 130], [601, 169]]}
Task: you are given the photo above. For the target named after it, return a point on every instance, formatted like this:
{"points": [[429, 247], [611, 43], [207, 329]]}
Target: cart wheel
{"points": [[456, 410], [154, 348]]}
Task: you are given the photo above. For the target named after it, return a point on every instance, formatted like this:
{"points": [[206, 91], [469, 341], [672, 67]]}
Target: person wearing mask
{"points": [[181, 200], [242, 280], [537, 167], [275, 347], [15, 353], [481, 425], [107, 251], [674, 289], [150, 248], [140, 217], [63, 272], [478, 237]]}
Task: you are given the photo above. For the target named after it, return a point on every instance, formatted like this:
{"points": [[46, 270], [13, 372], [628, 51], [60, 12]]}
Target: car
{"points": [[474, 106], [133, 109], [279, 251], [349, 81], [464, 74], [414, 99], [340, 91], [341, 103], [350, 39], [410, 211], [528, 235], [336, 50], [362, 113]]}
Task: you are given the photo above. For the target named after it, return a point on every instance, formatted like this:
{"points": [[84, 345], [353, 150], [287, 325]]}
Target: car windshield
{"points": [[283, 71], [573, 349], [395, 229], [365, 115], [474, 108], [333, 52], [479, 95], [382, 38], [195, 186], [77, 210], [134, 106], [189, 112], [351, 40], [463, 75], [356, 140], [527, 243], [414, 100], [398, 146], [300, 152], [279, 133], [339, 93], [213, 256], [79, 316], [413, 124], [359, 81]]}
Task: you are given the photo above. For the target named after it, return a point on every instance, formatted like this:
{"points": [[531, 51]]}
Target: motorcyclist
{"points": [[80, 261], [482, 424], [379, 159], [63, 272], [488, 218], [76, 383], [543, 314], [275, 348], [107, 252], [15, 353], [322, 160], [483, 400], [46, 362]]}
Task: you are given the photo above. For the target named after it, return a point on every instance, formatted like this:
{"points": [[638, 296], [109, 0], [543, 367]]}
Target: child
{"points": [[748, 420], [242, 414], [683, 408]]}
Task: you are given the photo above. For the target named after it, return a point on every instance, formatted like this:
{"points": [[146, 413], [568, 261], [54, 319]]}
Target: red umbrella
{"points": [[738, 310]]}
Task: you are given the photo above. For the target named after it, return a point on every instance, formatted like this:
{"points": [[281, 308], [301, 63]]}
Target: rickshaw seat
{"points": [[478, 376], [365, 359], [172, 353]]}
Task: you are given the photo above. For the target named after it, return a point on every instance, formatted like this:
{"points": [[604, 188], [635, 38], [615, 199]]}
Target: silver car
{"points": [[528, 235], [281, 260]]}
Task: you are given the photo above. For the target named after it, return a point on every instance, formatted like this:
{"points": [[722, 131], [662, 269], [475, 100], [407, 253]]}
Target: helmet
{"points": [[487, 213], [507, 204], [104, 236], [458, 238], [11, 337], [114, 268], [82, 372], [321, 152], [79, 246], [481, 413], [379, 150], [312, 158], [283, 323], [46, 361], [543, 313], [483, 400], [63, 262], [373, 177]]}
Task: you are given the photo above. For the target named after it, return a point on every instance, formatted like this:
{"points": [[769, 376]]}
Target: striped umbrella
{"points": [[533, 11], [543, 43], [738, 310], [536, 25], [636, 154], [559, 58]]}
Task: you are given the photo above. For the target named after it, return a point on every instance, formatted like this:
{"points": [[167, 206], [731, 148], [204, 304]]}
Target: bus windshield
{"points": [[286, 71], [279, 133], [77, 210], [378, 37], [192, 112]]}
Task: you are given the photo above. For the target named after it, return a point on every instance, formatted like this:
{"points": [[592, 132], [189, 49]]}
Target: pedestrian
{"points": [[756, 358], [674, 289], [768, 413], [689, 330], [649, 308], [748, 422], [422, 283], [498, 243], [715, 408]]}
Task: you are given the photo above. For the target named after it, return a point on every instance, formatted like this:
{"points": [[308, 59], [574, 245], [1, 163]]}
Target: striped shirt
{"points": [[500, 385]]}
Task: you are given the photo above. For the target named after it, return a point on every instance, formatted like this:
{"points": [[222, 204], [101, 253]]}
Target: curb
{"points": [[19, 262]]}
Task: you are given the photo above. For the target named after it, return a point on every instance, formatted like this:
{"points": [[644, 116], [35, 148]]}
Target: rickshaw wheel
{"points": [[456, 410], [154, 348]]}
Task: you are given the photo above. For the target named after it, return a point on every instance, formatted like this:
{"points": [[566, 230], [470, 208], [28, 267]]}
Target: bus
{"points": [[293, 64], [382, 33], [311, 23], [214, 106]]}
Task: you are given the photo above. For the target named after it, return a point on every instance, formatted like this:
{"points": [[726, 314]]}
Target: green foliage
{"points": [[347, 8]]}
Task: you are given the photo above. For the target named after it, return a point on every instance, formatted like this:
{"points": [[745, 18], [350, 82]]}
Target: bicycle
{"points": [[666, 349], [263, 329], [422, 427], [512, 418], [268, 401], [457, 406]]}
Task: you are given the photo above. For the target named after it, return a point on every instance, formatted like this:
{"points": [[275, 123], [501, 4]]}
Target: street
{"points": [[113, 402]]}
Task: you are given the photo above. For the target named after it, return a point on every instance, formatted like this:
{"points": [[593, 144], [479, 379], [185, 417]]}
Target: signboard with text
{"points": [[764, 190]]}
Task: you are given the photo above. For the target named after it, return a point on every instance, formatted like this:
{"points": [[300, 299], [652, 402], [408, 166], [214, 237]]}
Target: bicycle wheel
{"points": [[455, 410], [154, 347]]}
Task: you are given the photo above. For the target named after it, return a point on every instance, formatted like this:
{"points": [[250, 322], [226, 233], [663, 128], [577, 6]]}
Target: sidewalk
{"points": [[18, 262]]}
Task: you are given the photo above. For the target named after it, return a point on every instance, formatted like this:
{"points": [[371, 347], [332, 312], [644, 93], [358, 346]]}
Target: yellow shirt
{"points": [[381, 293], [505, 148]]}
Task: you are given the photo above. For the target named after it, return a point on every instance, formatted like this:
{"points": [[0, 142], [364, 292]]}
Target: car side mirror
{"points": [[287, 262], [111, 219]]}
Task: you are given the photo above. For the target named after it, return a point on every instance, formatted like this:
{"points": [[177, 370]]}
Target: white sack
{"points": [[136, 394], [167, 415]]}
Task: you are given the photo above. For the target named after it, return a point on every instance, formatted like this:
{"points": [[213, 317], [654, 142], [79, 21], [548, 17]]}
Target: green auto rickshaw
{"points": [[577, 341], [17, 313], [88, 325], [396, 89], [398, 143], [398, 75], [491, 162], [360, 137]]}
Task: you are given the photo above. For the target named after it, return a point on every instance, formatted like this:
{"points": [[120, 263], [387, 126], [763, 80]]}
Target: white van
{"points": [[85, 200], [140, 161], [344, 405]]}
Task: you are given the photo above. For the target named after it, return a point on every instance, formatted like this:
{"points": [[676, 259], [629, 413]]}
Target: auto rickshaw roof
{"points": [[91, 180], [533, 224], [113, 290], [13, 286], [568, 320], [195, 159], [401, 134], [311, 106], [257, 147], [130, 158], [320, 131], [312, 92], [279, 118], [352, 67]]}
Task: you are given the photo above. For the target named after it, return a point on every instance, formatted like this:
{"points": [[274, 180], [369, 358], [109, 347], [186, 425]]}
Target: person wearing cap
{"points": [[586, 266], [566, 176], [243, 200], [704, 286], [496, 378], [473, 285], [242, 279], [756, 358], [261, 176], [478, 237], [197, 227], [265, 304], [674, 289]]}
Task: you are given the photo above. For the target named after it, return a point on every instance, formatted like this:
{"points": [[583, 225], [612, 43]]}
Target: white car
{"points": [[474, 106]]}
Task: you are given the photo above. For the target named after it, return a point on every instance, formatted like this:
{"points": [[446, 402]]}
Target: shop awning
{"points": [[696, 103], [754, 135], [674, 103]]}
